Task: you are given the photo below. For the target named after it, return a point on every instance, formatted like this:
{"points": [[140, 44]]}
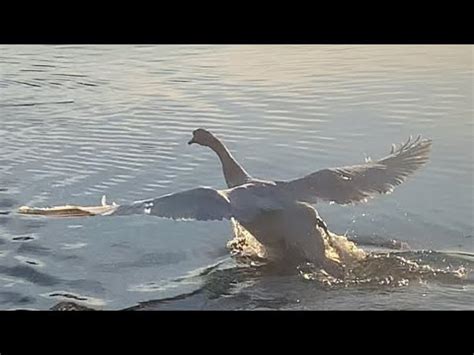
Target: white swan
{"points": [[243, 242], [278, 213]]}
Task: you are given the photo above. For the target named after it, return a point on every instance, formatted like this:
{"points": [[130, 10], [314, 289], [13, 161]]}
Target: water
{"points": [[77, 122]]}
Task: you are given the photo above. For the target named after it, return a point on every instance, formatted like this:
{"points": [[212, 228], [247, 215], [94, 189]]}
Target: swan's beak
{"points": [[192, 141]]}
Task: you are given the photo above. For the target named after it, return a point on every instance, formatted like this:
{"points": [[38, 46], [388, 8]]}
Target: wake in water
{"points": [[394, 269]]}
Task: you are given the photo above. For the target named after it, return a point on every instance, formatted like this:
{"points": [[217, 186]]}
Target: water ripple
{"points": [[77, 122]]}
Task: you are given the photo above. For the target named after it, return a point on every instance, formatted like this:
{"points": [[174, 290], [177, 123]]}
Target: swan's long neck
{"points": [[234, 173]]}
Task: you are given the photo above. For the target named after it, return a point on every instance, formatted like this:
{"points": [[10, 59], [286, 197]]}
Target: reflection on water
{"points": [[78, 122]]}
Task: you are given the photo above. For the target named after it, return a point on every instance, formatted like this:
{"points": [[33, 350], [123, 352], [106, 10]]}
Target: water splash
{"points": [[394, 269], [244, 246]]}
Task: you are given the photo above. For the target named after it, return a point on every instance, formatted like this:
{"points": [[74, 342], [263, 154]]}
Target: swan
{"points": [[279, 214], [235, 175]]}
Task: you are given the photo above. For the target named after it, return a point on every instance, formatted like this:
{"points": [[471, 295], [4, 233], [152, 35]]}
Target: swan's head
{"points": [[203, 137]]}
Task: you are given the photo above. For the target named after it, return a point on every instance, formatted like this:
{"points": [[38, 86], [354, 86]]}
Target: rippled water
{"points": [[77, 122]]}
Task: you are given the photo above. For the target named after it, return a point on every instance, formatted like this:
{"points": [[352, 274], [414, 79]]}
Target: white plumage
{"points": [[277, 213]]}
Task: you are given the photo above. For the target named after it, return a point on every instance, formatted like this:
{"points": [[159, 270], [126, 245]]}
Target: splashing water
{"points": [[244, 246], [394, 269], [385, 269]]}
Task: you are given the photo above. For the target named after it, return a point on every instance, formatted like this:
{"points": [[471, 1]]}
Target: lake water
{"points": [[78, 122]]}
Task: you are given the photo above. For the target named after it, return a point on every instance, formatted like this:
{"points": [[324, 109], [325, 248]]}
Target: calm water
{"points": [[77, 122]]}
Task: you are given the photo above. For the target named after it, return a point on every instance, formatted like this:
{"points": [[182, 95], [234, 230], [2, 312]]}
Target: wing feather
{"points": [[357, 183]]}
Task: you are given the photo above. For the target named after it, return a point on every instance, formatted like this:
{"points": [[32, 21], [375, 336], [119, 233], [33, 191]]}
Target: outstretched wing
{"points": [[358, 182], [200, 204]]}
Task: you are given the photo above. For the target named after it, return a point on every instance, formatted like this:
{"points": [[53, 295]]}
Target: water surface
{"points": [[77, 122]]}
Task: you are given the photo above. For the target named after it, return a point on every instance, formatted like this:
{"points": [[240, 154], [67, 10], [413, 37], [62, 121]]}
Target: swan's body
{"points": [[277, 213], [286, 227]]}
